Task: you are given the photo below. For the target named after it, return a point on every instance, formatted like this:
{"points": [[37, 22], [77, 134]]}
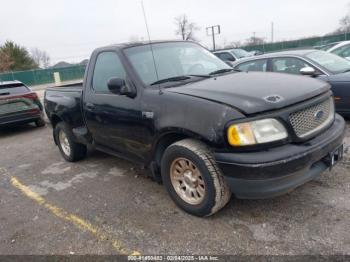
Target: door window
{"points": [[288, 65], [107, 65], [256, 65], [225, 56]]}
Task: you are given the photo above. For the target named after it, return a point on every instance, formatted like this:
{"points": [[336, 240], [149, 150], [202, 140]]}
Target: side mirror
{"points": [[118, 86], [115, 85], [308, 71]]}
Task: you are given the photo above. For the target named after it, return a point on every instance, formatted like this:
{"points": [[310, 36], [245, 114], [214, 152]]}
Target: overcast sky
{"points": [[70, 29]]}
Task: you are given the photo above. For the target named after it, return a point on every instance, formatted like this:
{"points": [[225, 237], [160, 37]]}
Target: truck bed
{"points": [[64, 103], [67, 88]]}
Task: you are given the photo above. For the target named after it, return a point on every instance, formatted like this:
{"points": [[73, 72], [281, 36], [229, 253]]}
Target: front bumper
{"points": [[279, 170]]}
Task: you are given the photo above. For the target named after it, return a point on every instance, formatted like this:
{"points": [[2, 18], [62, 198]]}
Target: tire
{"points": [[40, 122], [203, 190], [70, 150]]}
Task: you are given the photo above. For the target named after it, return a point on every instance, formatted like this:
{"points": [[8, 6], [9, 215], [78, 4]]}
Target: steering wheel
{"points": [[196, 69]]}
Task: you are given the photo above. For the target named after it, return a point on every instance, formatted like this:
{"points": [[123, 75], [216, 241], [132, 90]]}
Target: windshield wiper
{"points": [[204, 76], [171, 79], [347, 70], [177, 78], [220, 71]]}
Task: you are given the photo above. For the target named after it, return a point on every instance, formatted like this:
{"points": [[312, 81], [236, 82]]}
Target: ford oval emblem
{"points": [[273, 98], [319, 114]]}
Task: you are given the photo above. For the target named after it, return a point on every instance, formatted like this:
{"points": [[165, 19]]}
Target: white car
{"points": [[231, 55], [341, 49]]}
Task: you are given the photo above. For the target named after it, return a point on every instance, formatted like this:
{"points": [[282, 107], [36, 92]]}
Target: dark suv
{"points": [[19, 104]]}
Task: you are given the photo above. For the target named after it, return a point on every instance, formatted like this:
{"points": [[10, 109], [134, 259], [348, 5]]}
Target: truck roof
{"points": [[139, 43]]}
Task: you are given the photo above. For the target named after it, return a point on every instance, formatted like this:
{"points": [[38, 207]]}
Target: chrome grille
{"points": [[313, 118]]}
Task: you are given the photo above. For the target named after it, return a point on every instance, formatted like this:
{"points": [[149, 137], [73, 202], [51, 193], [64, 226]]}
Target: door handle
{"points": [[89, 106]]}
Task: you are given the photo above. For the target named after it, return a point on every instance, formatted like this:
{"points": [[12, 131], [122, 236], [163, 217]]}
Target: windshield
{"points": [[333, 63], [240, 53], [13, 89], [172, 60]]}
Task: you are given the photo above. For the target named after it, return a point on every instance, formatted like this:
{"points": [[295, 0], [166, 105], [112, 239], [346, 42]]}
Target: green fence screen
{"points": [[44, 76], [301, 43]]}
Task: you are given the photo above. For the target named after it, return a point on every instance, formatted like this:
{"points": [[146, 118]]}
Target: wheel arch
{"points": [[170, 136], [54, 120]]}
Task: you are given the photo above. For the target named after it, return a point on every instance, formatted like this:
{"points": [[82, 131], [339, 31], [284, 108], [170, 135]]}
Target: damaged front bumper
{"points": [[279, 170]]}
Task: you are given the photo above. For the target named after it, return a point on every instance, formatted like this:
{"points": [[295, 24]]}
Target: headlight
{"points": [[256, 132]]}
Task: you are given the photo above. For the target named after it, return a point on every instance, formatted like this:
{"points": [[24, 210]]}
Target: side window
{"points": [[225, 56], [256, 65], [343, 51], [288, 65], [107, 65]]}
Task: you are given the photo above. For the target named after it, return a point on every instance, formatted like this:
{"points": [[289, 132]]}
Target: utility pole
{"points": [[272, 32], [254, 39], [211, 32]]}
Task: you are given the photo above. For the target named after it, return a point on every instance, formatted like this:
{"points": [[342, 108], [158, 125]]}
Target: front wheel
{"points": [[70, 150], [193, 179]]}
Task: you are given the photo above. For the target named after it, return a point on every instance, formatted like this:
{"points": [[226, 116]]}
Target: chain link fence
{"points": [[45, 76], [301, 43]]}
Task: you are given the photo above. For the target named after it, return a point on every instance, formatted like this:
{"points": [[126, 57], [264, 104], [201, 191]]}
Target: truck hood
{"points": [[255, 92]]}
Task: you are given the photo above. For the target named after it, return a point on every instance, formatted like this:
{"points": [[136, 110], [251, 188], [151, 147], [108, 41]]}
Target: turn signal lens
{"points": [[241, 135], [256, 132]]}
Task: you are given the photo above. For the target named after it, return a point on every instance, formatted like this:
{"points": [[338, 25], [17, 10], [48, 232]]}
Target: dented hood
{"points": [[250, 92]]}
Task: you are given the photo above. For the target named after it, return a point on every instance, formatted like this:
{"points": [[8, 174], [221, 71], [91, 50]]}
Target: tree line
{"points": [[14, 57]]}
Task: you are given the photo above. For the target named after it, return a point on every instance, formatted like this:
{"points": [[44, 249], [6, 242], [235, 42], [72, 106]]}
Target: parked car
{"points": [[326, 46], [203, 129], [19, 104], [256, 52], [341, 49], [231, 55], [315, 63]]}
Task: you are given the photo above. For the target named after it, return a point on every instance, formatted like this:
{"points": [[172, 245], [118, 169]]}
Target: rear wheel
{"points": [[40, 122], [193, 179], [70, 150]]}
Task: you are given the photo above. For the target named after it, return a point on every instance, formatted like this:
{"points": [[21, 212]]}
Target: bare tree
{"points": [[254, 40], [344, 23], [40, 57], [233, 44], [185, 28], [5, 62]]}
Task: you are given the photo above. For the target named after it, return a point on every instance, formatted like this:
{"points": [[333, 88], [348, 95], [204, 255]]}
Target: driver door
{"points": [[113, 120]]}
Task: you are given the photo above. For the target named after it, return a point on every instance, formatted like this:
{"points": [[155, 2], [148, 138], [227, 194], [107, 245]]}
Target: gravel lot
{"points": [[104, 205]]}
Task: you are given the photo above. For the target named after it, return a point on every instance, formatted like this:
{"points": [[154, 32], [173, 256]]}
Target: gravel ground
{"points": [[104, 205]]}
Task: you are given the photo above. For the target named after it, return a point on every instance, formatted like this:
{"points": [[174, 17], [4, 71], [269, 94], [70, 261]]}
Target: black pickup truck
{"points": [[203, 129]]}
